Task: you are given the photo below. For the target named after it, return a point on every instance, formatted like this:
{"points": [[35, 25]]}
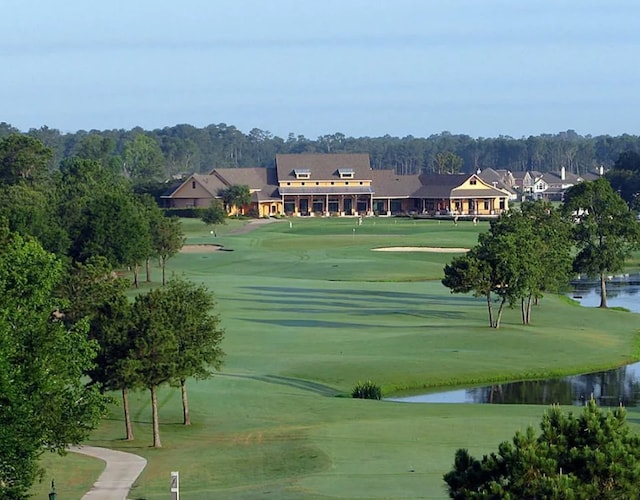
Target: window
{"points": [[346, 173], [486, 204], [302, 173], [473, 182], [193, 184]]}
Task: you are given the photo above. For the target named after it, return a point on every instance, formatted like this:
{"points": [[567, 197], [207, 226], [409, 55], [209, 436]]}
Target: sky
{"points": [[358, 67]]}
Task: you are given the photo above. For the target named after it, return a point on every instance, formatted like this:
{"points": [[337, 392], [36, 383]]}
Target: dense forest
{"points": [[187, 149]]}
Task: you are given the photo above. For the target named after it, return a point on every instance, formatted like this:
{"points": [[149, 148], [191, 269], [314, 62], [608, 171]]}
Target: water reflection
{"points": [[609, 388], [622, 291]]}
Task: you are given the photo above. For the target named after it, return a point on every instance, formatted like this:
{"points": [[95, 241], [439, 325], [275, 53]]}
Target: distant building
{"points": [[344, 185]]}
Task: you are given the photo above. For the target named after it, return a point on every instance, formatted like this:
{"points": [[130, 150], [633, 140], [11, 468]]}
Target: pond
{"points": [[609, 388]]}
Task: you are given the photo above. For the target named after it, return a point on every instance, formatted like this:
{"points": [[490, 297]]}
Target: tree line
{"points": [[159, 153], [70, 333]]}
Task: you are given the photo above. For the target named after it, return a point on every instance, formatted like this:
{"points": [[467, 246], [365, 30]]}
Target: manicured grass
{"points": [[73, 474], [310, 310]]}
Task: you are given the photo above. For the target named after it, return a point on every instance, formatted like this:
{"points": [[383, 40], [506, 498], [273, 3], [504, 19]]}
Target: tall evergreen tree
{"points": [[586, 456]]}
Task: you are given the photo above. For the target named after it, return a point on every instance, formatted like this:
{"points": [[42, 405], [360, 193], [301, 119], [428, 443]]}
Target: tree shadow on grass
{"points": [[323, 304], [313, 323], [305, 385], [340, 295]]}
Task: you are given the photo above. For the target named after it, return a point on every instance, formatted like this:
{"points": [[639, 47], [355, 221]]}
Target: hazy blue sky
{"points": [[360, 67]]}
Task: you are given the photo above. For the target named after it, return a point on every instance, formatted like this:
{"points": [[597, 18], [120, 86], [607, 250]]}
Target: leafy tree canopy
{"points": [[44, 402], [625, 178], [236, 196], [605, 230], [525, 253], [214, 214], [23, 159]]}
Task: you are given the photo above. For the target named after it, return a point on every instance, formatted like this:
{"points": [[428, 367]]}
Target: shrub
{"points": [[188, 213], [366, 390]]}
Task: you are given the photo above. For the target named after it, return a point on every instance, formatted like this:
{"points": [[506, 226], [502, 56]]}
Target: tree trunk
{"points": [[490, 307], [127, 414], [603, 291], [136, 275], [499, 316], [163, 262], [148, 269], [523, 311], [186, 418], [529, 305], [154, 414]]}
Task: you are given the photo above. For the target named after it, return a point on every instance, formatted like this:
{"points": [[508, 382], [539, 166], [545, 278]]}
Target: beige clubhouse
{"points": [[342, 185]]}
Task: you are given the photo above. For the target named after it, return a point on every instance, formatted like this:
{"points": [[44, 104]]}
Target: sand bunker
{"points": [[421, 249], [204, 248]]}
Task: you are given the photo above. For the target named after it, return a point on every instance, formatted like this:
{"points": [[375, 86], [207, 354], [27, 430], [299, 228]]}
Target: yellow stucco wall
{"points": [[307, 183]]}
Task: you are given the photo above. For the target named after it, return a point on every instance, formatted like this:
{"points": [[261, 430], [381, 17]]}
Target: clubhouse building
{"points": [[342, 185]]}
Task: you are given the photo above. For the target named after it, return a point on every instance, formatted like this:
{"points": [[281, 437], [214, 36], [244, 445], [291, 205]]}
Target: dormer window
{"points": [[346, 173], [302, 173]]}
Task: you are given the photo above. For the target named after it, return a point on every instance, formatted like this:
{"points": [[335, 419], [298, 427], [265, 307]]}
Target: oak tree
{"points": [[44, 403], [97, 294], [198, 331], [605, 230]]}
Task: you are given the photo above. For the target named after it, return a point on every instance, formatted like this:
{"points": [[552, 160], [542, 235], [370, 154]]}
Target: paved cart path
{"points": [[116, 480]]}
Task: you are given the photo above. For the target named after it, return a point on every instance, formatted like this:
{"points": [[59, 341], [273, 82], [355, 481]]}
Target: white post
{"points": [[175, 486]]}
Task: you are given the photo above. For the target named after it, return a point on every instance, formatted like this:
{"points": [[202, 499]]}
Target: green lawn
{"points": [[310, 310]]}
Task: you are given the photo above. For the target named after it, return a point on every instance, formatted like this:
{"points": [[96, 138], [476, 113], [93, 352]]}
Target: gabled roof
{"points": [[388, 184], [535, 174], [494, 178], [439, 185], [520, 174], [260, 180], [210, 184], [519, 178], [323, 166]]}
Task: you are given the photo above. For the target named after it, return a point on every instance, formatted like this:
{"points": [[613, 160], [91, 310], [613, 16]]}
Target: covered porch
{"points": [[322, 202]]}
